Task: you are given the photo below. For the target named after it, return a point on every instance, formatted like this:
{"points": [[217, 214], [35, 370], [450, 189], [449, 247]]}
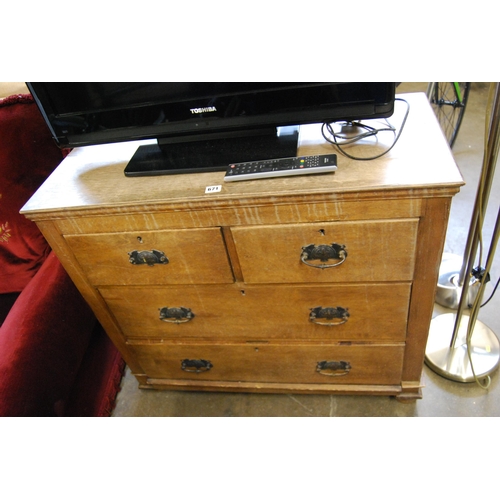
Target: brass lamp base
{"points": [[454, 363]]}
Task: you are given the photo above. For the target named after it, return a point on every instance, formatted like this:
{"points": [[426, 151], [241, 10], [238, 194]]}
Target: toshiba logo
{"points": [[209, 109]]}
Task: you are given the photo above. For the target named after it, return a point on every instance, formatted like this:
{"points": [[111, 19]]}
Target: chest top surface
{"points": [[91, 178]]}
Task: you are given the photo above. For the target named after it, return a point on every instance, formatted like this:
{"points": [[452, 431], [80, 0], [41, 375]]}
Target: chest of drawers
{"points": [[314, 284]]}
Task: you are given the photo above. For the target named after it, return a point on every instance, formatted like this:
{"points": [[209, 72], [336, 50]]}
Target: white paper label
{"points": [[213, 189]]}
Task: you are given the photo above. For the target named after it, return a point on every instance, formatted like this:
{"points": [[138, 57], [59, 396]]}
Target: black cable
{"points": [[371, 131], [492, 293]]}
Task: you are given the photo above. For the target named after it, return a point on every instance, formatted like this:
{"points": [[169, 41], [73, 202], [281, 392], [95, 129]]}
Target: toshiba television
{"points": [[201, 127]]}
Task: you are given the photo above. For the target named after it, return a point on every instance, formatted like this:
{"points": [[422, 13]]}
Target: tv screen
{"points": [[201, 126]]}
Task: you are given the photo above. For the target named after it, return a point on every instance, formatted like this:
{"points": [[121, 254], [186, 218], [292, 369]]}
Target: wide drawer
{"points": [[306, 363], [323, 312], [328, 252], [153, 257]]}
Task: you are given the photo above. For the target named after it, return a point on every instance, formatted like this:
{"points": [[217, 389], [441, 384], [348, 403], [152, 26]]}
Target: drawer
{"points": [[153, 257], [355, 251], [323, 312], [299, 363]]}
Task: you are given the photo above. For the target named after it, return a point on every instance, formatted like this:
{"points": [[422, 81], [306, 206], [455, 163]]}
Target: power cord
{"points": [[492, 293], [333, 137]]}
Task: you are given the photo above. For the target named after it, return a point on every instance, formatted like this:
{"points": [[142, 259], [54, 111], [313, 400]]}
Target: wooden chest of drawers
{"points": [[319, 284]]}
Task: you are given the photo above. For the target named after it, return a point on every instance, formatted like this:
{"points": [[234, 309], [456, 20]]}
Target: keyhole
{"points": [[322, 232], [242, 292], [139, 239]]}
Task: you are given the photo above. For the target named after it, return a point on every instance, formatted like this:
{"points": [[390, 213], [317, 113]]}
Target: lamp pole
{"points": [[474, 350]]}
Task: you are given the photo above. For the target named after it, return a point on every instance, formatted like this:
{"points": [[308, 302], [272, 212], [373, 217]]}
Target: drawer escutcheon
{"points": [[147, 257], [196, 365], [333, 368], [323, 253], [176, 314], [340, 314]]}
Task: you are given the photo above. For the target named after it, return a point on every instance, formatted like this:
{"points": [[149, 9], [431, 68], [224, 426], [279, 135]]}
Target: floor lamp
{"points": [[460, 347]]}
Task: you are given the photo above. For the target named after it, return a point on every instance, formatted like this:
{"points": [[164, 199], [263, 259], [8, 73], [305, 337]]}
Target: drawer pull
{"points": [[147, 257], [176, 314], [339, 314], [333, 368], [323, 253], [196, 365]]}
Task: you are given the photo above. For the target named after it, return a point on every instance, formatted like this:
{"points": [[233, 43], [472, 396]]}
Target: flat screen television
{"points": [[202, 127]]}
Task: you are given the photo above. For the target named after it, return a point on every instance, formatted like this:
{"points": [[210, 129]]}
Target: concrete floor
{"points": [[441, 397]]}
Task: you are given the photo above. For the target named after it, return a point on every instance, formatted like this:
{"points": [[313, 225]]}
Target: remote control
{"points": [[278, 167]]}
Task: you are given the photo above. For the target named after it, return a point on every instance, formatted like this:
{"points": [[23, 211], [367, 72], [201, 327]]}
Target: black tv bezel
{"points": [[235, 133]]}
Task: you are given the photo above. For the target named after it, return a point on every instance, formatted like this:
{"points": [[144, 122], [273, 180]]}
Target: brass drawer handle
{"points": [[176, 314], [339, 314], [147, 257], [333, 368], [323, 253], [196, 365]]}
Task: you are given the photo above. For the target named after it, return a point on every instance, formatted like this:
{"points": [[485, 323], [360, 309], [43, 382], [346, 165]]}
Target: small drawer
{"points": [[153, 257], [307, 363], [370, 312], [329, 252]]}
